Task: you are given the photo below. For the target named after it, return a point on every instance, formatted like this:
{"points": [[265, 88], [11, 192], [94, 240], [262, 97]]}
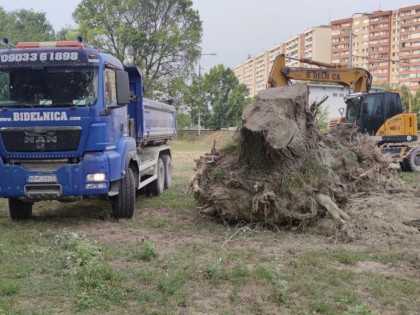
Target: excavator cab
{"points": [[370, 111]]}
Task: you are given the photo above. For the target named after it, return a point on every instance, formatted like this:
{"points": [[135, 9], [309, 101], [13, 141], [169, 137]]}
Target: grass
{"points": [[169, 260], [310, 174], [411, 178]]}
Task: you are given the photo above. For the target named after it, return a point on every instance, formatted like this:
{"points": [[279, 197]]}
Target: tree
{"points": [[66, 33], [161, 37], [218, 98], [404, 94], [225, 96], [192, 101], [415, 106], [25, 25]]}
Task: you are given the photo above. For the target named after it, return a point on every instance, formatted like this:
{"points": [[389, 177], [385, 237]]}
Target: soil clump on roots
{"points": [[284, 171]]}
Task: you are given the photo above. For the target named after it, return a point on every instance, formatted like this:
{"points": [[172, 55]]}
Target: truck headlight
{"points": [[97, 177]]}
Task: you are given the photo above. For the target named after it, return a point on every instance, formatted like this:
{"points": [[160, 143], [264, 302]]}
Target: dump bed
{"points": [[159, 121], [153, 122]]}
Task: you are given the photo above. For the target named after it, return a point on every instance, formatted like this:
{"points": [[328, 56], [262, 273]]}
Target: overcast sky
{"points": [[234, 29]]}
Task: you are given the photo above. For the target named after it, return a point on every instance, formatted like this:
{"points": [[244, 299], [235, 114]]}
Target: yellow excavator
{"points": [[379, 114]]}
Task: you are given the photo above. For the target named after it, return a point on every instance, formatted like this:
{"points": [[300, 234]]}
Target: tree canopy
{"points": [[161, 37], [218, 96], [225, 95], [25, 25]]}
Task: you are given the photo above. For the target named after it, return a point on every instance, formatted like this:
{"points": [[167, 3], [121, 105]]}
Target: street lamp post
{"points": [[199, 91], [351, 36]]}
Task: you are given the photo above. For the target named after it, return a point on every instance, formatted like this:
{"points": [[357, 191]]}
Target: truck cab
{"points": [[73, 125]]}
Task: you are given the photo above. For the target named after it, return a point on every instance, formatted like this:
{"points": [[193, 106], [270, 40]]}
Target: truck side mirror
{"points": [[122, 87]]}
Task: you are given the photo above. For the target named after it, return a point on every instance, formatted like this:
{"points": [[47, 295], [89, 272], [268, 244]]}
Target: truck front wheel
{"points": [[123, 204], [19, 210]]}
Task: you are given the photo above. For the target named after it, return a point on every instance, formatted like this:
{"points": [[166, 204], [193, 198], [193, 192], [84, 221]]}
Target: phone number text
{"points": [[31, 57]]}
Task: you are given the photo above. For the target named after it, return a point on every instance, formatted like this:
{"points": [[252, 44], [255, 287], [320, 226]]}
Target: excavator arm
{"points": [[358, 79]]}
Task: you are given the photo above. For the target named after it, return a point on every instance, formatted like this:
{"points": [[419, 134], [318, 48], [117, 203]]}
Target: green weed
{"points": [[361, 309], [84, 301], [212, 270], [310, 174], [95, 283], [230, 147], [338, 277], [280, 293], [347, 257], [266, 273], [160, 223], [147, 252], [218, 174], [347, 297], [322, 306], [241, 272], [8, 289]]}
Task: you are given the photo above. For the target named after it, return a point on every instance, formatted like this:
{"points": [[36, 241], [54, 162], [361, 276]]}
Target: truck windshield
{"points": [[48, 86]]}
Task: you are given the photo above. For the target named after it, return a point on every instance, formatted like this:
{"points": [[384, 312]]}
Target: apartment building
{"points": [[408, 29], [379, 46], [370, 37], [387, 43], [313, 43], [254, 72], [340, 41]]}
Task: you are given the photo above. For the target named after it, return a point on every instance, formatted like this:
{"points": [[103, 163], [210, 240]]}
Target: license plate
{"points": [[43, 179]]}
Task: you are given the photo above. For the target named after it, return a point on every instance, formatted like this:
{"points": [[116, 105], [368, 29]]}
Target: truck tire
{"points": [[167, 164], [19, 210], [123, 204], [412, 162], [157, 186]]}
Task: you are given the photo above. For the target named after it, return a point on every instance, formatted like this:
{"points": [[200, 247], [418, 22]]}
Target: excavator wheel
{"points": [[412, 161]]}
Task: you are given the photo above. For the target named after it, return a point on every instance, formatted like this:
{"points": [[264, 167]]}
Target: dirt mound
{"points": [[284, 171]]}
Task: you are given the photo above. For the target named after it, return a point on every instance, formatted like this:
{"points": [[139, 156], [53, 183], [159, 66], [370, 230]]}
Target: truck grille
{"points": [[40, 139]]}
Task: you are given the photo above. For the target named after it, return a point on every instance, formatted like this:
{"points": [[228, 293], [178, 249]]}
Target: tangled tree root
{"points": [[284, 171]]}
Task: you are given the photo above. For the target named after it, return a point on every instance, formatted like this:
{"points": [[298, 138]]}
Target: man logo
{"points": [[40, 138]]}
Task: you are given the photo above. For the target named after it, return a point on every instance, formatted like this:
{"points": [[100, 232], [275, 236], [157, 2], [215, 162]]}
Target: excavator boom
{"points": [[358, 79]]}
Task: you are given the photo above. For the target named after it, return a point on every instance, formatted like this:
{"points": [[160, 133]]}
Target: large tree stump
{"points": [[284, 170]]}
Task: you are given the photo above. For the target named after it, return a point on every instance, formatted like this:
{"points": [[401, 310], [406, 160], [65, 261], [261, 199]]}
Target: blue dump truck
{"points": [[74, 125]]}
